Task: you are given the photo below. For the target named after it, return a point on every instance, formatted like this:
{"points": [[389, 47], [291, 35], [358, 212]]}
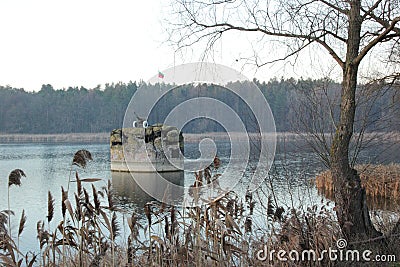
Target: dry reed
{"points": [[15, 177], [380, 182], [222, 232]]}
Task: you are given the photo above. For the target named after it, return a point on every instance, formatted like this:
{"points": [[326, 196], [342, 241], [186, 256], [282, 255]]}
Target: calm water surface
{"points": [[47, 167]]}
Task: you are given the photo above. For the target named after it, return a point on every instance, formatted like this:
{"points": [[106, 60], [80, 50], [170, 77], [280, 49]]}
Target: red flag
{"points": [[160, 75]]}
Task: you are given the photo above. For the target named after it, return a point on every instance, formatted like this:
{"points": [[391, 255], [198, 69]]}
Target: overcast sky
{"points": [[93, 42], [73, 43]]}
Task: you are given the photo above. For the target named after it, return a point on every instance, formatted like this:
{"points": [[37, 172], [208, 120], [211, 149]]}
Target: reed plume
{"points": [[3, 229], [86, 195], [22, 222], [50, 207], [147, 212], [81, 158], [21, 227], [64, 196], [43, 236], [15, 177], [78, 211], [96, 199], [217, 162], [248, 225], [3, 222], [114, 226], [109, 196]]}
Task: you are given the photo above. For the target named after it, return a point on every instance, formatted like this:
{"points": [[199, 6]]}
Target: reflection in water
{"points": [[47, 168], [129, 194]]}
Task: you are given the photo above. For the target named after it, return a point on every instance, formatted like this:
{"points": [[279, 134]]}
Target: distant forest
{"points": [[296, 104]]}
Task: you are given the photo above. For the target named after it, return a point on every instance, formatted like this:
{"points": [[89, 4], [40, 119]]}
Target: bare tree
{"points": [[347, 29], [317, 107]]}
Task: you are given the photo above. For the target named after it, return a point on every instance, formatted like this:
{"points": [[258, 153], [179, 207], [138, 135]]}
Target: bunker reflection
{"points": [[128, 191]]}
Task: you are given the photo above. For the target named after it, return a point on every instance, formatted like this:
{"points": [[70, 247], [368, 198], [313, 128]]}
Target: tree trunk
{"points": [[351, 207]]}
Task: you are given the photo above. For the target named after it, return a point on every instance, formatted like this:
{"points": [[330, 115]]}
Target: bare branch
{"points": [[335, 36], [293, 53], [227, 26], [371, 9], [343, 11], [331, 52], [383, 22], [375, 41]]}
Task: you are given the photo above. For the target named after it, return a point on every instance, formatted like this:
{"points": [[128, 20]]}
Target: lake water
{"points": [[47, 167]]}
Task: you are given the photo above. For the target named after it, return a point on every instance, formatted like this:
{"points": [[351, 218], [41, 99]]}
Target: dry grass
{"points": [[381, 183], [220, 233]]}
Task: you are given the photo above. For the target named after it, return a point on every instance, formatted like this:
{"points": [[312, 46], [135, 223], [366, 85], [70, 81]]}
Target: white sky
{"points": [[74, 43], [93, 42]]}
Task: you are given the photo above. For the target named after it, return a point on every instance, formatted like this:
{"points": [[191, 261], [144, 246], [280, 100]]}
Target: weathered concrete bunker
{"points": [[156, 148]]}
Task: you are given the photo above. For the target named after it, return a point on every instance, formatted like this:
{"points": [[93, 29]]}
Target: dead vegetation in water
{"points": [[381, 183], [220, 233]]}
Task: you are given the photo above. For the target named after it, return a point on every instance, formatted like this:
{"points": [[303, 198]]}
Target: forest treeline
{"points": [[295, 104]]}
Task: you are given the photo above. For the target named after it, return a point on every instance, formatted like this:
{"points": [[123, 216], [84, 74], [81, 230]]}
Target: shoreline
{"points": [[190, 137], [55, 138], [105, 137]]}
